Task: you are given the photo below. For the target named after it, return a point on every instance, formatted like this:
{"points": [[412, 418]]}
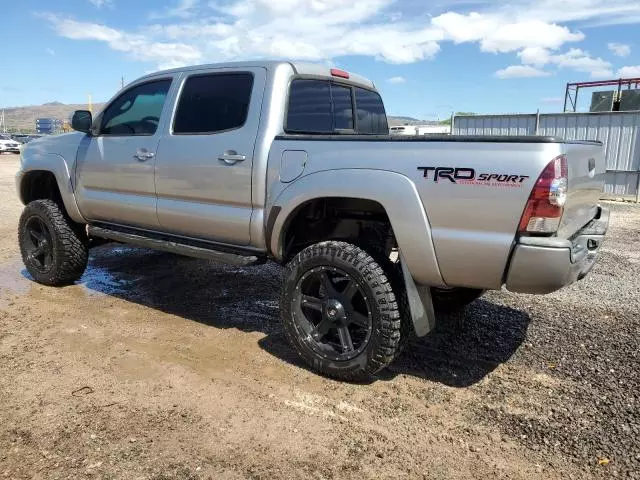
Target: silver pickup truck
{"points": [[248, 162]]}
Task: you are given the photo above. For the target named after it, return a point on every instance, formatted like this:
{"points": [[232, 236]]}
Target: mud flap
{"points": [[420, 303]]}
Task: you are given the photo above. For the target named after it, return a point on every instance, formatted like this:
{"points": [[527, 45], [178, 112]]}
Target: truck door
{"points": [[203, 165], [116, 163]]}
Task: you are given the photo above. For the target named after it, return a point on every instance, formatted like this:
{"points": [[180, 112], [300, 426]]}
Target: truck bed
{"points": [[473, 220]]}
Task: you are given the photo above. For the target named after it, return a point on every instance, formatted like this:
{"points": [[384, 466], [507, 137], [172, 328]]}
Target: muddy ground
{"points": [[160, 367]]}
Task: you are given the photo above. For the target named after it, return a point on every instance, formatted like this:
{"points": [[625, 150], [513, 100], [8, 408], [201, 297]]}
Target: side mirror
{"points": [[81, 121]]}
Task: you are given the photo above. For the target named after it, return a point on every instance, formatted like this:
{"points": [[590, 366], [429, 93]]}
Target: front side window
{"points": [[213, 103], [137, 111]]}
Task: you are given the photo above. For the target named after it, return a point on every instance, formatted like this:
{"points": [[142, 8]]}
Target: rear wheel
{"points": [[340, 312], [54, 248]]}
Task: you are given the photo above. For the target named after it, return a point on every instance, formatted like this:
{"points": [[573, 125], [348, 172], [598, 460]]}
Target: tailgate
{"points": [[586, 164]]}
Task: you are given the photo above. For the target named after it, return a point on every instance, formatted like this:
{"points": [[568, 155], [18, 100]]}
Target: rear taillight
{"points": [[546, 202]]}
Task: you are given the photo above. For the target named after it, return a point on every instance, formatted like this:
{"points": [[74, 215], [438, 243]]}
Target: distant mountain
{"points": [[396, 120], [24, 118], [407, 120]]}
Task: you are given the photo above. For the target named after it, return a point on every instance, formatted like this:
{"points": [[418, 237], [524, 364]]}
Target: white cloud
{"points": [[574, 59], [397, 80], [136, 45], [101, 3], [552, 100], [593, 12], [536, 56], [629, 72], [497, 34], [581, 61], [521, 71], [322, 30], [619, 49], [315, 30], [183, 9]]}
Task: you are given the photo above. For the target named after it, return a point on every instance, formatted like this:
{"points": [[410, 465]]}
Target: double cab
{"points": [[294, 163]]}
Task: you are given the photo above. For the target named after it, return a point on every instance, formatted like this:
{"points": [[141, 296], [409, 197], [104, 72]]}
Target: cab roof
{"points": [[299, 68]]}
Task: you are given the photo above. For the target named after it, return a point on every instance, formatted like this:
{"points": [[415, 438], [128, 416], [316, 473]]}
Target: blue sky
{"points": [[427, 57]]}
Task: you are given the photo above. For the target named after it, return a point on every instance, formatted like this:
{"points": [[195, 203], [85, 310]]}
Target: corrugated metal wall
{"points": [[619, 131]]}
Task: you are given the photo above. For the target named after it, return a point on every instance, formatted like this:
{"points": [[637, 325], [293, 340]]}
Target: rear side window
{"points": [[310, 107], [370, 113], [320, 106], [213, 103]]}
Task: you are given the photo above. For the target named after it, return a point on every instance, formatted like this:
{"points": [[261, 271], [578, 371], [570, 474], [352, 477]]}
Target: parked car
{"points": [[420, 130], [21, 138], [403, 130], [7, 144], [290, 162]]}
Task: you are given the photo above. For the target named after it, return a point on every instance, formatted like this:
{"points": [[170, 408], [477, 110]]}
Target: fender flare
{"points": [[395, 192], [55, 164]]}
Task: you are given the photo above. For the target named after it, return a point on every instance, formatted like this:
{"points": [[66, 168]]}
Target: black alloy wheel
{"points": [[38, 245], [340, 311], [332, 312]]}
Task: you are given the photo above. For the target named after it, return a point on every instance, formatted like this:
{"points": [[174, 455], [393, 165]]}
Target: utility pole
{"points": [[122, 82], [90, 104], [3, 125]]}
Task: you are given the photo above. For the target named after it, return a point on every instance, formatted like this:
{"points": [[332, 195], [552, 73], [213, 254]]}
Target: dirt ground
{"points": [[160, 367]]}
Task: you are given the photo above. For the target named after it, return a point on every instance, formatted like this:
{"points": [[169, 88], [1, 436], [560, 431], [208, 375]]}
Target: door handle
{"points": [[142, 154], [230, 157]]}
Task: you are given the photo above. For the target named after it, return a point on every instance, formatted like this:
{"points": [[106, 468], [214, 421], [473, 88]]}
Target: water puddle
{"points": [[14, 280]]}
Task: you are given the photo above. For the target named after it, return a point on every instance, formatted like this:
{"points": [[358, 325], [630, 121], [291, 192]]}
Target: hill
{"points": [[24, 118]]}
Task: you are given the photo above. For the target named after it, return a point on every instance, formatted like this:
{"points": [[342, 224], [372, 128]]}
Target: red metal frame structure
{"points": [[571, 93]]}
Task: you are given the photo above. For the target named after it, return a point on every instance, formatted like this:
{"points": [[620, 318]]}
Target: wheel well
{"points": [[40, 185], [359, 221]]}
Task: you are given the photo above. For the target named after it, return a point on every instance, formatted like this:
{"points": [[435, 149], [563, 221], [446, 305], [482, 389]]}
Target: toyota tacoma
{"points": [[289, 162]]}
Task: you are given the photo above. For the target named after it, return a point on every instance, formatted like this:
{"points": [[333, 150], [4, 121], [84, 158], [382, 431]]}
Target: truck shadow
{"points": [[466, 346], [461, 351]]}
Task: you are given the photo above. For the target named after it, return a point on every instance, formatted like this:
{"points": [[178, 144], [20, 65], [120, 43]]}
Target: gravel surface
{"points": [[162, 367], [587, 338]]}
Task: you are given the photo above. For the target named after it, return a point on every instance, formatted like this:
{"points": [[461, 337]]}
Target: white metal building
{"points": [[619, 131]]}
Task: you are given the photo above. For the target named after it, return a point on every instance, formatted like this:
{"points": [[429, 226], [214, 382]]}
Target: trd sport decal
{"points": [[467, 176]]}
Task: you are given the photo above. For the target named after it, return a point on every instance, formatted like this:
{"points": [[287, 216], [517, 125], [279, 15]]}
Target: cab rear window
{"points": [[325, 107]]}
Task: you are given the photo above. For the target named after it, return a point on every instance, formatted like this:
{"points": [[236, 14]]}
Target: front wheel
{"points": [[53, 248], [340, 312]]}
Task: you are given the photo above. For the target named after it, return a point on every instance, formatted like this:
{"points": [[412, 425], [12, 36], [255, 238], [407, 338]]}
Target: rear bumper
{"points": [[546, 264]]}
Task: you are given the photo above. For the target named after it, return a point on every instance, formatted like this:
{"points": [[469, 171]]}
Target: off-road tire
{"points": [[385, 334], [454, 299], [393, 271], [69, 244]]}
